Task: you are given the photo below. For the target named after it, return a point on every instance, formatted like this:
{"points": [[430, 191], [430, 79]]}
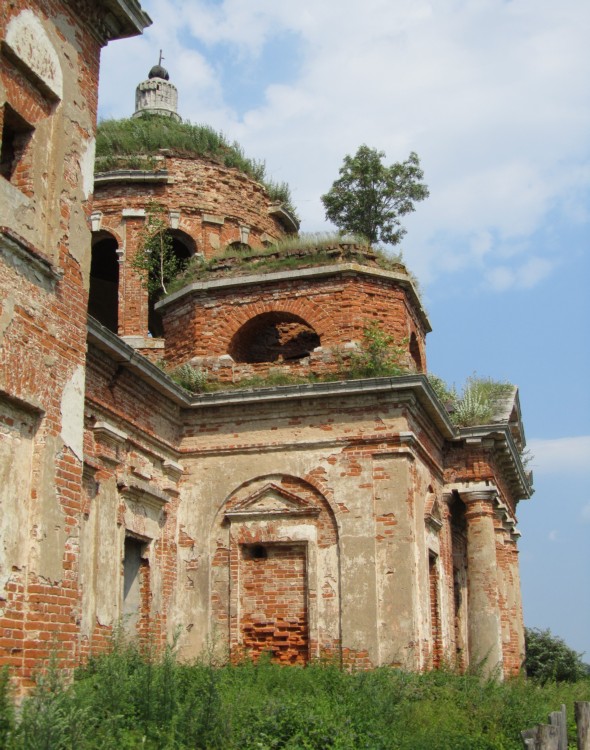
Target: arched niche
{"points": [[273, 336], [184, 247], [103, 298], [275, 541]]}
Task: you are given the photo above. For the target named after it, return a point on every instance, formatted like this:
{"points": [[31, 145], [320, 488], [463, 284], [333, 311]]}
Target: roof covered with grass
{"points": [[134, 143]]}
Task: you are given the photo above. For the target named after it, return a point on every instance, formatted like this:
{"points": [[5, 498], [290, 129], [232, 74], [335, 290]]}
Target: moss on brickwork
{"points": [[134, 143]]}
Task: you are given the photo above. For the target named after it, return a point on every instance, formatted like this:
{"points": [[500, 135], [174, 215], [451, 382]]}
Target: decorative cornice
{"points": [[317, 272], [124, 176], [142, 492]]}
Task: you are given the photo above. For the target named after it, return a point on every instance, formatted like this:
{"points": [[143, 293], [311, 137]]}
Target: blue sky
{"points": [[493, 95]]}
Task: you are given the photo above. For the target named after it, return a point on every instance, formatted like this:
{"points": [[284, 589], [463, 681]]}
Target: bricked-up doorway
{"points": [[273, 601]]}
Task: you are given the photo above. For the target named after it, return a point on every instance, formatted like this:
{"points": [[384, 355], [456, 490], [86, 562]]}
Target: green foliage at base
{"points": [[378, 355], [128, 699]]}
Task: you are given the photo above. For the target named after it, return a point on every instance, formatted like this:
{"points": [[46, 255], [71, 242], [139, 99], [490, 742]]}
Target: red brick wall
{"points": [[337, 308], [44, 342], [273, 602]]}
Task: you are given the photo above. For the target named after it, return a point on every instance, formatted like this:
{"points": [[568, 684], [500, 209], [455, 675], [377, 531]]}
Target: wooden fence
{"points": [[553, 736]]}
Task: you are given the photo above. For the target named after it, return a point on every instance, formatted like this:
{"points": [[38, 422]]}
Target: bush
{"points": [[132, 697], [549, 659]]}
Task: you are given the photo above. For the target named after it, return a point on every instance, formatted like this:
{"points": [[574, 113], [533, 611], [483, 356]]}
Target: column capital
{"points": [[475, 495]]}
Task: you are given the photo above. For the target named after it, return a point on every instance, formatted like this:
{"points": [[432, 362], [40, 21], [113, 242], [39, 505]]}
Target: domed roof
{"points": [[159, 72]]}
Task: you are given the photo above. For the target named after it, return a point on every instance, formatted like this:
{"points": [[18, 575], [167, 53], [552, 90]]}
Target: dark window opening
{"points": [[132, 563], [103, 298], [16, 135], [184, 247], [255, 552], [272, 337]]}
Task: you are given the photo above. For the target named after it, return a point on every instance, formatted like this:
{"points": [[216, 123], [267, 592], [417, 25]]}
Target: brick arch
{"points": [[107, 227], [308, 311], [184, 241], [273, 336], [309, 485], [275, 570]]}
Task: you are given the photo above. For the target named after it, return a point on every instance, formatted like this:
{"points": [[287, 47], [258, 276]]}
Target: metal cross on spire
{"points": [[161, 58]]}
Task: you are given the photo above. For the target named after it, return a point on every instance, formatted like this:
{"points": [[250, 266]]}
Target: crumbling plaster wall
{"points": [[352, 454], [48, 86], [131, 490]]}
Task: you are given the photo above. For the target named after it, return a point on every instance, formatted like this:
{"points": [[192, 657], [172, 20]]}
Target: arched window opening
{"points": [[415, 352], [272, 337], [183, 247], [103, 298]]}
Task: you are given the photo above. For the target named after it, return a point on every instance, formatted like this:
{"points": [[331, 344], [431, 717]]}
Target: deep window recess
{"points": [[103, 298], [272, 337], [16, 135], [132, 581], [184, 247]]}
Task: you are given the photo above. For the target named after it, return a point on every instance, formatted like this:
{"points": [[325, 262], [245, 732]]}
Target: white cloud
{"points": [[523, 276], [493, 96], [561, 455]]}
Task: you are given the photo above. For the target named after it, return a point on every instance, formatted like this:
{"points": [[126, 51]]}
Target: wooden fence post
{"points": [[582, 714], [541, 737], [559, 719]]}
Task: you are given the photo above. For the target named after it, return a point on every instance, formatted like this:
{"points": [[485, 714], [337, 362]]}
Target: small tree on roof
{"points": [[155, 260], [369, 197]]}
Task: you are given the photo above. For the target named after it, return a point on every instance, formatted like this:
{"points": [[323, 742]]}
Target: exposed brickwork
{"points": [[351, 525], [334, 309], [274, 602], [44, 238], [214, 203]]}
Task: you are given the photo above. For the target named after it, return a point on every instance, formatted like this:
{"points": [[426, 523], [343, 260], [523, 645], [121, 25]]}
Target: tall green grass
{"points": [[128, 698], [134, 143]]}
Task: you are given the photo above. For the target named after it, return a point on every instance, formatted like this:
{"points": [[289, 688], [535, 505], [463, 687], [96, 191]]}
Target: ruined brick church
{"points": [[349, 519]]}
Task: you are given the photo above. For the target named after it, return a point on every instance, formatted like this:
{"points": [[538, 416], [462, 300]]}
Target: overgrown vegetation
{"points": [[377, 356], [289, 254], [135, 143], [155, 260], [476, 404], [550, 659], [129, 698]]}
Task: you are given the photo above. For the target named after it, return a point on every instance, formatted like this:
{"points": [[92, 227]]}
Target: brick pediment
{"points": [[272, 500]]}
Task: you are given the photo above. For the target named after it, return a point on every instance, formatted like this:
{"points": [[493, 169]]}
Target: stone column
{"points": [[484, 622]]}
